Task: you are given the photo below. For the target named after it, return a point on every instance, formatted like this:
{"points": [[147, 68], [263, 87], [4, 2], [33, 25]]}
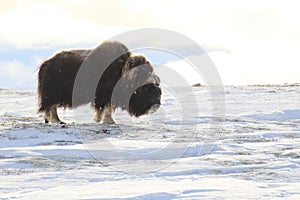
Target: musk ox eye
{"points": [[131, 64]]}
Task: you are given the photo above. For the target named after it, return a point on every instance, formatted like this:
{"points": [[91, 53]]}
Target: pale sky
{"points": [[250, 42]]}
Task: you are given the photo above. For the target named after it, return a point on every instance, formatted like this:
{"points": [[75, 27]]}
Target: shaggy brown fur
{"points": [[57, 76]]}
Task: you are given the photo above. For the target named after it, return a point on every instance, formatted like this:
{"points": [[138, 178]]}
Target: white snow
{"points": [[288, 114], [254, 153]]}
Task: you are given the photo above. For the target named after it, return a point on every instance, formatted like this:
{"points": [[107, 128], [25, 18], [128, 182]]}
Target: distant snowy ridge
{"points": [[276, 85], [288, 114]]}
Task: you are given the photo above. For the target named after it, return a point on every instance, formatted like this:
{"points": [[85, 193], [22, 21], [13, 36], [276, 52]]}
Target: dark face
{"points": [[145, 99]]}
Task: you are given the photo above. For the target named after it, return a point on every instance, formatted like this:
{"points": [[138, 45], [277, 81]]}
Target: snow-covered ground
{"points": [[254, 153]]}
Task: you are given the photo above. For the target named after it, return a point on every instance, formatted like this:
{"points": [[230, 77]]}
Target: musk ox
{"points": [[119, 73]]}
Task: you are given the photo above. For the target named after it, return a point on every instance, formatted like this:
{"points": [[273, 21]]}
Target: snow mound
{"points": [[288, 114]]}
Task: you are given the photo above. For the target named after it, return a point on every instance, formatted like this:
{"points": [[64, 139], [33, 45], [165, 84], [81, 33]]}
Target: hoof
{"points": [[63, 125]]}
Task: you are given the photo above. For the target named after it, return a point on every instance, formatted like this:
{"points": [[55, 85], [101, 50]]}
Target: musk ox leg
{"points": [[54, 115], [47, 116], [51, 115], [104, 115]]}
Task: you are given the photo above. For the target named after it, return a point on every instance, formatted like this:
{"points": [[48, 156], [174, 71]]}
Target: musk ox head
{"points": [[141, 92]]}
